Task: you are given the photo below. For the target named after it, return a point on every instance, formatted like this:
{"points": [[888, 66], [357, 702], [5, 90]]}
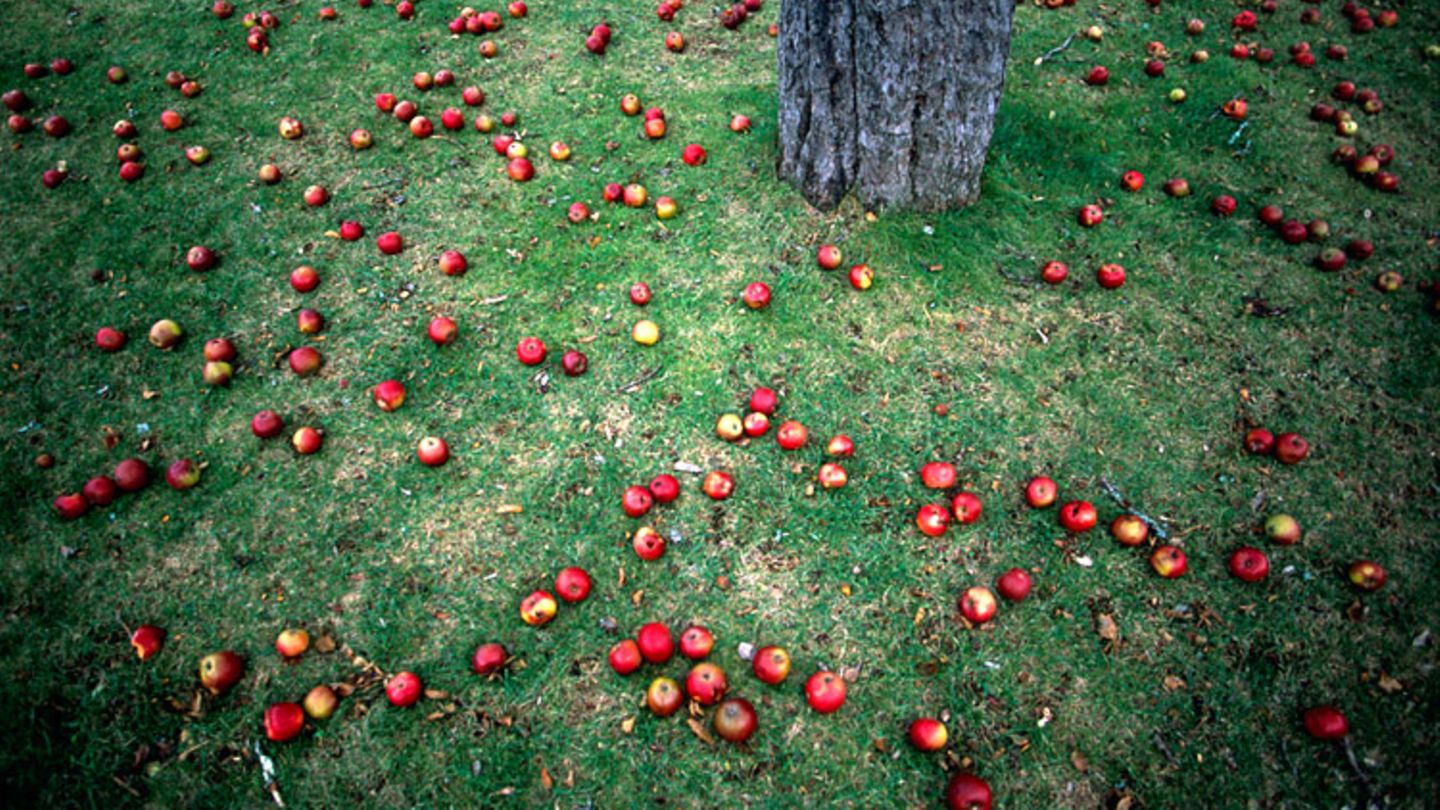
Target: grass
{"points": [[1148, 387]]}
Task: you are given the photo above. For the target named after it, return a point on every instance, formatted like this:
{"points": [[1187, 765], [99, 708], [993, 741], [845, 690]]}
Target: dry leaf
{"points": [[699, 729], [325, 644], [545, 780], [627, 725], [1079, 761], [1173, 683], [1389, 685]]}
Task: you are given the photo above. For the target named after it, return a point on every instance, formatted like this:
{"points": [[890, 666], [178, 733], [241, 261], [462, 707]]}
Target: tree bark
{"points": [[895, 99]]}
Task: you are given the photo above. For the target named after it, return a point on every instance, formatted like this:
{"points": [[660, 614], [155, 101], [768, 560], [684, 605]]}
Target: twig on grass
{"points": [[634, 385], [1360, 772], [1055, 51], [1165, 749], [1119, 498]]}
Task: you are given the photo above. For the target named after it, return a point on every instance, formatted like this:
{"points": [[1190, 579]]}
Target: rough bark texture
{"points": [[893, 98]]}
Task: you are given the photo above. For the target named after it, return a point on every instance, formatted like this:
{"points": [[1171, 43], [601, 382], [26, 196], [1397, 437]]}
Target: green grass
{"points": [[1149, 387]]}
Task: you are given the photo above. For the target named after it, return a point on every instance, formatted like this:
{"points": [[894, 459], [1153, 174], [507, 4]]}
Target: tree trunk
{"points": [[895, 99]]}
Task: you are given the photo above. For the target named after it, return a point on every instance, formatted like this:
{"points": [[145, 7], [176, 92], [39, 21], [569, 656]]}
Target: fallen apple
{"points": [[404, 689], [656, 643], [538, 608], [220, 671], [927, 734], [284, 721], [825, 692]]}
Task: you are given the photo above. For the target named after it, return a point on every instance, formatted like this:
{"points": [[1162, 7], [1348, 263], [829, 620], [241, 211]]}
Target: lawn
{"points": [[1109, 686]]}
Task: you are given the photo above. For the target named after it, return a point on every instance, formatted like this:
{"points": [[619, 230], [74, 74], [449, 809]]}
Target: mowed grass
{"points": [[958, 353]]}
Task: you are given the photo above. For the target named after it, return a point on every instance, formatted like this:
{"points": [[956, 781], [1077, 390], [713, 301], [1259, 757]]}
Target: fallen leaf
{"points": [[699, 729], [627, 725], [1389, 685], [1173, 683]]}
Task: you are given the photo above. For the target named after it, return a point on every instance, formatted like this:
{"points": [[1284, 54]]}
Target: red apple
{"points": [[1132, 180], [100, 491], [665, 488], [636, 501], [771, 665], [706, 684], [1291, 448], [967, 792], [694, 155], [292, 643], [1249, 564], [220, 671], [1129, 530], [1325, 723], [977, 604], [765, 401], [828, 257], [663, 695], [432, 451], [735, 720], [147, 639], [1366, 575], [696, 642], [404, 689], [625, 657], [109, 339], [1054, 272], [1014, 584], [647, 544], [966, 507], [932, 519], [284, 721], [825, 692], [1077, 516], [305, 361], [1259, 442], [718, 485], [531, 351], [1168, 561], [538, 608], [307, 441], [132, 475], [639, 291], [1090, 215], [832, 476], [309, 322], [574, 363], [267, 424], [656, 643], [928, 734], [182, 474], [840, 446], [756, 295], [572, 584]]}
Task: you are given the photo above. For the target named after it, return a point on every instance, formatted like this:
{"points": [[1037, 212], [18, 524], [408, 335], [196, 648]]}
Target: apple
{"points": [[771, 665], [1291, 448], [663, 695], [735, 720], [1249, 564], [1154, 68], [219, 350], [1282, 529], [453, 263], [636, 501], [665, 488], [740, 123], [109, 339], [756, 295], [1359, 249], [1223, 205], [1132, 181], [165, 334], [1090, 215], [574, 363], [116, 75], [640, 293], [765, 400], [694, 155], [572, 584], [100, 491], [304, 278], [1325, 723], [1077, 516], [1098, 76], [403, 689], [1330, 260], [1389, 281], [1129, 530], [828, 257], [696, 642], [307, 441], [385, 102], [405, 10], [266, 424], [292, 643], [129, 153], [791, 435], [729, 427], [645, 333], [666, 208], [305, 361], [1177, 94], [1177, 187], [1168, 561], [977, 604], [932, 519], [647, 544], [320, 702], [309, 322], [706, 684], [928, 734], [516, 149], [655, 128], [520, 169], [517, 9], [675, 41], [825, 692], [625, 657], [284, 721], [71, 505], [832, 476], [406, 111], [938, 475], [656, 643], [578, 213], [132, 475], [147, 639], [966, 507], [15, 100], [862, 277], [1366, 575], [538, 608], [316, 196], [1271, 215], [290, 128], [1041, 492], [421, 127], [718, 485], [1014, 584], [1259, 442], [634, 195], [197, 155], [840, 446], [391, 243], [1054, 272], [269, 174], [220, 671], [19, 124], [182, 474], [1318, 230], [966, 791], [630, 104], [432, 451], [531, 351]]}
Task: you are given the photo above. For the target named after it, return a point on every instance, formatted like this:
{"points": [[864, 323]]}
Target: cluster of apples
{"points": [[791, 435], [739, 12], [130, 476], [828, 257], [531, 351], [257, 24], [1362, 23], [1294, 232], [306, 440], [540, 606], [706, 684], [55, 125], [599, 39]]}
